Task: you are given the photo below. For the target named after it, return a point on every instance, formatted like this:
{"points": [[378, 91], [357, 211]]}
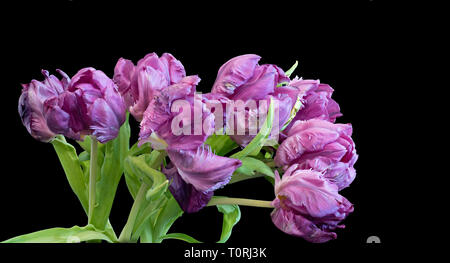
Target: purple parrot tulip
{"points": [[322, 146], [241, 78], [141, 83], [308, 206], [91, 105], [177, 102], [196, 174], [32, 100]]}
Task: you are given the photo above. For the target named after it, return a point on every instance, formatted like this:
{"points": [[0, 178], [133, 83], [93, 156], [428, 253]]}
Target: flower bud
{"points": [[32, 100], [241, 78], [91, 105], [308, 206], [322, 146], [157, 126], [141, 83]]}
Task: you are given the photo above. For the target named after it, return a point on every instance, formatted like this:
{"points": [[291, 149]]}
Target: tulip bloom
{"points": [[159, 118], [308, 206], [241, 78], [32, 100], [139, 84], [195, 174], [91, 105], [322, 146]]}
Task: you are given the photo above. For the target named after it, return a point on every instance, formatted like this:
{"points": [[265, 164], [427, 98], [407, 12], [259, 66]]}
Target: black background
{"points": [[353, 47]]}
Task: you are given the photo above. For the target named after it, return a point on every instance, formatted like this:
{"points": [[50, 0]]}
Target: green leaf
{"points": [[84, 156], [75, 234], [165, 219], [221, 144], [85, 144], [150, 208], [138, 170], [69, 160], [147, 232], [257, 143], [132, 179], [157, 191], [110, 173], [139, 166], [181, 236], [270, 180], [135, 150], [231, 216], [155, 159], [289, 72], [251, 168]]}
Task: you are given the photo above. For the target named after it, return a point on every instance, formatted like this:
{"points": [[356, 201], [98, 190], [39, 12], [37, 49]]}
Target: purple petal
{"points": [[234, 73], [309, 140], [298, 225], [261, 84], [105, 124], [318, 103], [308, 205], [94, 104], [308, 193], [204, 170], [57, 118], [174, 66], [30, 111], [322, 146], [150, 81], [32, 105], [123, 74], [189, 199], [159, 116]]}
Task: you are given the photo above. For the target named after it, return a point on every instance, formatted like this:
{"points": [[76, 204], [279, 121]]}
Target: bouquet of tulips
{"points": [[257, 121]]}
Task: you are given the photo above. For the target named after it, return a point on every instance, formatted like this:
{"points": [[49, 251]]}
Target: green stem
{"points": [[92, 178], [239, 201], [126, 233]]}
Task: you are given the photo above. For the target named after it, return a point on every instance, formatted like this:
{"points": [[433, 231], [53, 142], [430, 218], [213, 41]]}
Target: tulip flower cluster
{"points": [[257, 121]]}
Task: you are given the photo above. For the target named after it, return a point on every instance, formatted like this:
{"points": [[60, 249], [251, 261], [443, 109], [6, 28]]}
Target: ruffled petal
{"points": [[203, 169], [105, 124], [190, 199], [174, 67], [308, 140], [234, 73], [156, 126], [123, 74], [309, 206], [261, 84], [298, 225], [150, 82]]}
